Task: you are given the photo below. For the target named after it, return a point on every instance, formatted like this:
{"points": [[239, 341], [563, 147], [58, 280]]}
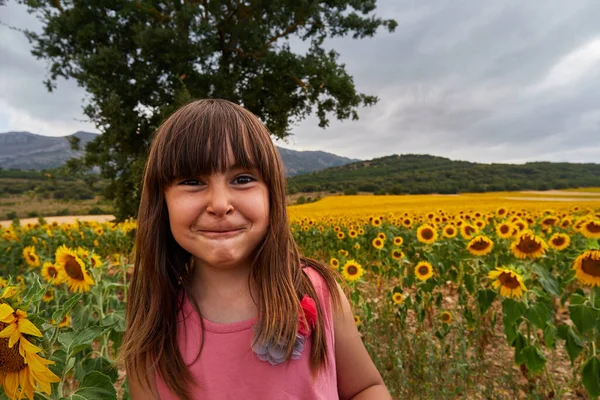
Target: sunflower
{"points": [[480, 224], [341, 235], [426, 234], [559, 241], [528, 245], [73, 270], [587, 267], [352, 271], [337, 229], [22, 370], [51, 271], [98, 230], [397, 255], [361, 231], [480, 246], [510, 283], [343, 252], [335, 263], [382, 236], [352, 233], [49, 295], [423, 270], [377, 243], [446, 317], [407, 222], [31, 258], [398, 240], [95, 261], [357, 320], [549, 221], [468, 231], [397, 298], [376, 222], [450, 231], [505, 230], [591, 229], [66, 322]]}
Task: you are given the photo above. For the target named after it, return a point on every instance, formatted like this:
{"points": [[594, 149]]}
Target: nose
{"points": [[219, 203]]}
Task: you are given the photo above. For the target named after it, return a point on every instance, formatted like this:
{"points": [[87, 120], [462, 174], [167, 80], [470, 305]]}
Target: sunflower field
{"points": [[471, 296]]}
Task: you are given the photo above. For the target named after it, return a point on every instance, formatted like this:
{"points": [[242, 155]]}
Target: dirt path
{"points": [[63, 219]]}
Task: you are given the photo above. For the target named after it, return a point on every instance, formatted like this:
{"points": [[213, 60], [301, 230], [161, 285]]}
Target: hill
{"points": [[420, 174], [28, 151]]}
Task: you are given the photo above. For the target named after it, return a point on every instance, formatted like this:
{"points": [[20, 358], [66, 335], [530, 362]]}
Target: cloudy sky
{"points": [[478, 80]]}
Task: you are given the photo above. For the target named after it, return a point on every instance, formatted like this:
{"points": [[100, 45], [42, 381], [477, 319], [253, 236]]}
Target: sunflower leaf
{"points": [[35, 292], [64, 309], [539, 314], [520, 343], [573, 344], [534, 359], [512, 310], [590, 377], [95, 385], [550, 335], [584, 317], [546, 279], [485, 298]]}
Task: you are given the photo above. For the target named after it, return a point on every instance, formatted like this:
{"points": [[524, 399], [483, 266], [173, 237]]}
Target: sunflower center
{"points": [[591, 267], [593, 227], [31, 257], [504, 229], [480, 245], [423, 270], [73, 269], [558, 241], [469, 230], [427, 234], [508, 281], [449, 231], [52, 272], [10, 359], [528, 245], [352, 270]]}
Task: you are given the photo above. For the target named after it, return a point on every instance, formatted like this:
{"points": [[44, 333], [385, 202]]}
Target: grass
{"points": [[27, 206]]}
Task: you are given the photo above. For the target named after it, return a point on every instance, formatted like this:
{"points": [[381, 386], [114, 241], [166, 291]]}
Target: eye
{"points": [[191, 182], [243, 179]]}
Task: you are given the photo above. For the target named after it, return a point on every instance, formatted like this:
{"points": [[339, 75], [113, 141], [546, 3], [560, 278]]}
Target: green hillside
{"points": [[420, 174]]}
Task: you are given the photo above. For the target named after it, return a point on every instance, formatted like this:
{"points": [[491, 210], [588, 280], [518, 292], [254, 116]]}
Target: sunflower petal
{"points": [[26, 326]]}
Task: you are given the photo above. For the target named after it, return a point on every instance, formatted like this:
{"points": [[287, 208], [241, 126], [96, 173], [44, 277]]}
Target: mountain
{"points": [[416, 174], [26, 151]]}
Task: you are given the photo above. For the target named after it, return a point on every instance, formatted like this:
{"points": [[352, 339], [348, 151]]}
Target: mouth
{"points": [[221, 233]]}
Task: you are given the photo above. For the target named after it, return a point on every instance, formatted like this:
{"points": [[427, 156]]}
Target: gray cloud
{"points": [[483, 81]]}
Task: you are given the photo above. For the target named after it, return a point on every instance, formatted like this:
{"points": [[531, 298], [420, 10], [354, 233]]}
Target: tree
{"points": [[140, 60]]}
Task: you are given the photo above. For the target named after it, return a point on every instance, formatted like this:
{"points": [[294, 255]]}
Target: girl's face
{"points": [[221, 218]]}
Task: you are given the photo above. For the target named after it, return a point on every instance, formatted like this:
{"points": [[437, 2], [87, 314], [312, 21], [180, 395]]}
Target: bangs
{"points": [[199, 141]]}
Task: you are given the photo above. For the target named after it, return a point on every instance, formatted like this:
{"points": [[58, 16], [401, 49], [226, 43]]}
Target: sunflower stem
{"points": [[549, 378]]}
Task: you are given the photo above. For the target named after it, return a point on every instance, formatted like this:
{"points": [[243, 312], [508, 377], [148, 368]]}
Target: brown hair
{"points": [[194, 141]]}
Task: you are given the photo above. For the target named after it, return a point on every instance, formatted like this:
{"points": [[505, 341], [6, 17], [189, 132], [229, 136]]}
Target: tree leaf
{"points": [[590, 377]]}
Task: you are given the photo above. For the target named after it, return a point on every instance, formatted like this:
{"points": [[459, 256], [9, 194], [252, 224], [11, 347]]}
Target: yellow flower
{"points": [[426, 234], [467, 231], [334, 262], [352, 233], [343, 252], [528, 245], [22, 370], [95, 261], [407, 222], [49, 295], [352, 271], [51, 271], [398, 240], [31, 258], [66, 322], [559, 241], [591, 229], [382, 236], [73, 270], [376, 222], [450, 231], [505, 230], [397, 255], [341, 235], [480, 246], [587, 267], [446, 317], [356, 246], [377, 243], [510, 283], [397, 298], [423, 270]]}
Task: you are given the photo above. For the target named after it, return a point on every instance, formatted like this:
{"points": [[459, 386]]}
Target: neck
{"points": [[212, 283]]}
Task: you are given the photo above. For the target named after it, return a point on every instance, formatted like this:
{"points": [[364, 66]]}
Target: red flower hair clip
{"points": [[274, 353]]}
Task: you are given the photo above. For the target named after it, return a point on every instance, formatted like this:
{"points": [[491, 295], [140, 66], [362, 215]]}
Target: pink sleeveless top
{"points": [[228, 368]]}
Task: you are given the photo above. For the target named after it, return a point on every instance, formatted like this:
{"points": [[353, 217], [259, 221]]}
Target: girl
{"points": [[221, 305]]}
